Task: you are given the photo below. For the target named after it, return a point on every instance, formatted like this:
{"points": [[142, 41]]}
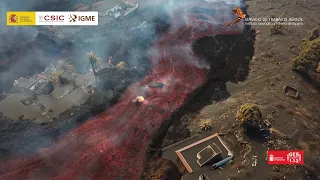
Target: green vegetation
{"points": [[314, 34], [205, 125], [249, 116], [276, 29], [58, 78], [94, 61], [309, 57], [63, 72], [65, 67]]}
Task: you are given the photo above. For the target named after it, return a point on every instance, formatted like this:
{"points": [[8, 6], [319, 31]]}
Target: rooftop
{"points": [[197, 153], [12, 107], [33, 98], [24, 82]]}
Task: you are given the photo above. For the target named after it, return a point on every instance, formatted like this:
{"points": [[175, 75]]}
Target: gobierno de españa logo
{"points": [[13, 18], [21, 18]]}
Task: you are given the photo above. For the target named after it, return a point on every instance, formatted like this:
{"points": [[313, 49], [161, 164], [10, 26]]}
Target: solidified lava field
{"points": [[113, 144]]}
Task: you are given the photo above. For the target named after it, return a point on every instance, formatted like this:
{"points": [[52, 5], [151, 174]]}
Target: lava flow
{"points": [[113, 145]]}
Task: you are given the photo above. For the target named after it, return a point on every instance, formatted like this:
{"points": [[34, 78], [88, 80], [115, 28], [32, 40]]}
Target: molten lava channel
{"points": [[113, 144]]}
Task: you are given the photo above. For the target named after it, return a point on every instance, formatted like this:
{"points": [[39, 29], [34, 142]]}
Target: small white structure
{"points": [[24, 82], [117, 14], [121, 10]]}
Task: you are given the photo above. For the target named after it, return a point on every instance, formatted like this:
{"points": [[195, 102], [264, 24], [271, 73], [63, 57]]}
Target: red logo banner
{"points": [[292, 157]]}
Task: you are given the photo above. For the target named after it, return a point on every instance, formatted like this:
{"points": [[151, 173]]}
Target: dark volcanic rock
{"points": [[23, 136], [156, 85], [162, 169], [223, 53], [117, 79]]}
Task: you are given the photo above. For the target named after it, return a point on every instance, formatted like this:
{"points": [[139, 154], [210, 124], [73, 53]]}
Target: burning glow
{"points": [[138, 99]]}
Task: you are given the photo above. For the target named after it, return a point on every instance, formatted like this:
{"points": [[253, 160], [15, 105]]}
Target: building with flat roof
{"points": [[199, 154], [35, 98]]}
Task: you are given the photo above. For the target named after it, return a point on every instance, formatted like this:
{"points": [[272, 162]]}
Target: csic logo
{"points": [[74, 18], [51, 18], [13, 18]]}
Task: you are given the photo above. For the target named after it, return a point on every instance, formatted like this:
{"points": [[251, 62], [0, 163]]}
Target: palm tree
{"points": [[94, 61], [65, 66], [58, 78]]}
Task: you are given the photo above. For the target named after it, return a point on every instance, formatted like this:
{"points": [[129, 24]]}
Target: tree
{"points": [[307, 62], [94, 61], [309, 57], [58, 78], [65, 67], [250, 117]]}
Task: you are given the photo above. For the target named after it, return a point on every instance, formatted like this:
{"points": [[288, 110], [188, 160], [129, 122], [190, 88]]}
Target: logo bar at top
{"points": [[59, 18]]}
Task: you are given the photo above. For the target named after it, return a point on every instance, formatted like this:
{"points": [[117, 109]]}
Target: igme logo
{"points": [[74, 18]]}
